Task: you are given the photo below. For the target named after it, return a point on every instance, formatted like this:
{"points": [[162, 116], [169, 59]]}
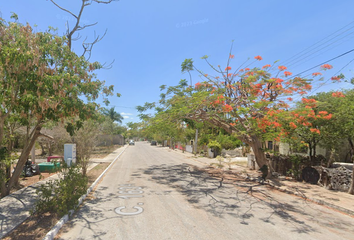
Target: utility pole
{"points": [[196, 142]]}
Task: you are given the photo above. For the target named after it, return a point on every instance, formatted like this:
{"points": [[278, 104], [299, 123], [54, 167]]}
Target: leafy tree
{"points": [[41, 80], [341, 127], [307, 130], [245, 102]]}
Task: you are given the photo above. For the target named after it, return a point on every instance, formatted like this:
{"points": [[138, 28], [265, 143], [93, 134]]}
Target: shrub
{"points": [[61, 195]]}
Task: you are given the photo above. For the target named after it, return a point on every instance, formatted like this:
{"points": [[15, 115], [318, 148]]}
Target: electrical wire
{"points": [[306, 50]]}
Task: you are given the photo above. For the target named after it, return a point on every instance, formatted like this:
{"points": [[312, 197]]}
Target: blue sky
{"points": [[150, 39]]}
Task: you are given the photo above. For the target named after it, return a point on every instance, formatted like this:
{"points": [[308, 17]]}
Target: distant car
{"points": [[131, 142], [153, 142]]}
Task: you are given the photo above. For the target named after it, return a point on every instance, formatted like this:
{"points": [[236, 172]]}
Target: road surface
{"points": [[155, 193]]}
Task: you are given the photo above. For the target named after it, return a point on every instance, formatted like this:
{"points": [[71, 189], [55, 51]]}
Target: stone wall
{"points": [[338, 178]]}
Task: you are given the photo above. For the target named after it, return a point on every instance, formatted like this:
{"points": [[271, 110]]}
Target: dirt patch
{"points": [[27, 181], [36, 227]]}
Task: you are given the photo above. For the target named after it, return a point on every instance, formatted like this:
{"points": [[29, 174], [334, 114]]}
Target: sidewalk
{"points": [[14, 208], [340, 201]]}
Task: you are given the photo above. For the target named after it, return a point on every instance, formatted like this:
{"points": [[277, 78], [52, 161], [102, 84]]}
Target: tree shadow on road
{"points": [[236, 198]]}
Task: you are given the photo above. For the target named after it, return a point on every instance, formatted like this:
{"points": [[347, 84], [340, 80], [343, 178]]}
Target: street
{"points": [[154, 193]]}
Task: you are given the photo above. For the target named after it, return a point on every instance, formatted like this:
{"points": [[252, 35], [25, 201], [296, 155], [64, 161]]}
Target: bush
{"points": [[297, 164], [228, 142], [61, 195], [215, 146]]}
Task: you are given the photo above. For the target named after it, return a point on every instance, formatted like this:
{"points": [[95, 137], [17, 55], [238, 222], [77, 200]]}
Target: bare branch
{"points": [[65, 10], [105, 2], [88, 46], [78, 27], [85, 26]]}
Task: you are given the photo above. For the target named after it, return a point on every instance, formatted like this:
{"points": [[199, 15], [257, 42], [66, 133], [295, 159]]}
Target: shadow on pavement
{"points": [[243, 200]]}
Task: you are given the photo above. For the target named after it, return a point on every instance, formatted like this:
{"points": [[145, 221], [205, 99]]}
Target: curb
{"points": [[54, 231], [299, 194], [320, 202]]}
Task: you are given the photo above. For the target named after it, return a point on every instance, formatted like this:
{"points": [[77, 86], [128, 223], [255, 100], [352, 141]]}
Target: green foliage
{"points": [[228, 142], [216, 146], [297, 162], [61, 195], [113, 115], [187, 65]]}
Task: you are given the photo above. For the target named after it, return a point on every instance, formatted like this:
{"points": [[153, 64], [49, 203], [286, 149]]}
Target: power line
{"points": [[320, 53], [333, 75], [341, 55], [321, 49], [287, 61]]}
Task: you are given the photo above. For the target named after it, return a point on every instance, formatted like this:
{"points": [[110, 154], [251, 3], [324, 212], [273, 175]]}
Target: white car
{"points": [[131, 142]]}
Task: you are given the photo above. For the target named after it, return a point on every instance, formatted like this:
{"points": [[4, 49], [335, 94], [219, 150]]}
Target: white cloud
{"points": [[126, 117], [125, 114]]}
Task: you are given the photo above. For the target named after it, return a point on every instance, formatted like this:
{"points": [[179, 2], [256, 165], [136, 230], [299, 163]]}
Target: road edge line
{"points": [[54, 231]]}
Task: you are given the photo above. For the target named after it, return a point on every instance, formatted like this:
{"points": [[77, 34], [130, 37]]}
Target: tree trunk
{"points": [[256, 145], [23, 158]]}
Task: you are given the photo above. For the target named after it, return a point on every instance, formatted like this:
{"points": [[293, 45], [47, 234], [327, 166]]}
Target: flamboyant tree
{"points": [[246, 102], [41, 80]]}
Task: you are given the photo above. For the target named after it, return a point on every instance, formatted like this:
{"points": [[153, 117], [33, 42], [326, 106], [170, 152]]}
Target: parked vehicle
{"points": [[153, 142], [131, 142]]}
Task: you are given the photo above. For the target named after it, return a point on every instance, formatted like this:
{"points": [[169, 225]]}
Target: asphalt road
{"points": [[153, 193]]}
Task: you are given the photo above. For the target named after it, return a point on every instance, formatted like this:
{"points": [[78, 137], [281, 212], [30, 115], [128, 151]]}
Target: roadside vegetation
{"points": [[250, 104]]}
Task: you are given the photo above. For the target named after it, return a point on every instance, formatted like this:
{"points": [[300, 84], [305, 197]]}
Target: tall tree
{"points": [[244, 102], [41, 80]]}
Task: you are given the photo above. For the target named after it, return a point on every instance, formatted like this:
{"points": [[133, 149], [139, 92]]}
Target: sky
{"points": [[148, 40]]}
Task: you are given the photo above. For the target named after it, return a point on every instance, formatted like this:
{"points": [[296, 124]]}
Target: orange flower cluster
{"points": [[306, 100], [278, 80], [227, 108], [329, 116], [232, 56], [292, 125], [227, 68], [219, 100], [316, 74], [336, 78], [287, 74], [326, 66], [338, 94], [259, 58], [199, 85], [315, 130], [282, 68], [266, 66]]}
